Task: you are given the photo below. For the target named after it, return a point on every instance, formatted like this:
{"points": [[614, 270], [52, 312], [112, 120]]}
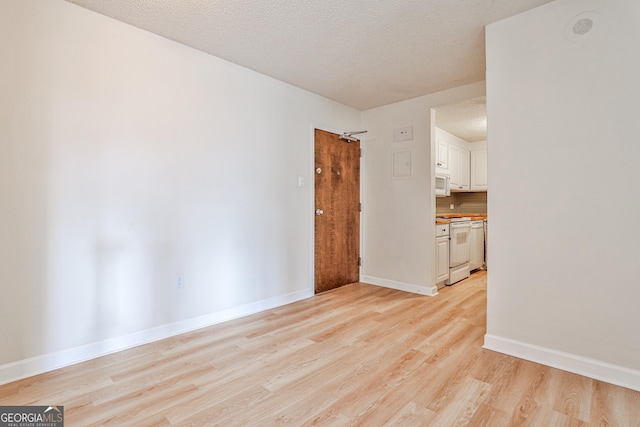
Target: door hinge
{"points": [[360, 207], [359, 262], [360, 152]]}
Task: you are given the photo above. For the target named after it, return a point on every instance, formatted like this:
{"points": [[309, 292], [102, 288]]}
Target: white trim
{"points": [[312, 207], [14, 371], [401, 286], [592, 368]]}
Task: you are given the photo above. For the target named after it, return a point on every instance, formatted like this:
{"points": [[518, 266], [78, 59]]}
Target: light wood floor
{"points": [[358, 355]]}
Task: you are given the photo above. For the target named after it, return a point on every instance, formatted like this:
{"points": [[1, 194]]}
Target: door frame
{"points": [[312, 203]]}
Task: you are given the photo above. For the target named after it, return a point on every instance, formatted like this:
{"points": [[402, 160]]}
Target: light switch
{"points": [[301, 181]]}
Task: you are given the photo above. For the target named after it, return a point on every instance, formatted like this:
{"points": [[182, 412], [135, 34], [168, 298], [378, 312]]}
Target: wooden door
{"points": [[337, 204]]}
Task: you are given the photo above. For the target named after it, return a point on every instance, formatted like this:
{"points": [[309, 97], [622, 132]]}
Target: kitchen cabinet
{"points": [[464, 170], [442, 254], [458, 168], [464, 162], [442, 156], [476, 243], [478, 170]]}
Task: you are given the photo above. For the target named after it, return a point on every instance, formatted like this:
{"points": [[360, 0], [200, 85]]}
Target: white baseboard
{"points": [[401, 286], [47, 362], [587, 367]]}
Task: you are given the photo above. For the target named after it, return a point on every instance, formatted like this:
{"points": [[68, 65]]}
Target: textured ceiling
{"points": [[362, 53], [466, 119]]}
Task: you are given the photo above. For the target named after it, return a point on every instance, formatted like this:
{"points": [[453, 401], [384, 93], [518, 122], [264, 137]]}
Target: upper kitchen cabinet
{"points": [[460, 146], [452, 158], [464, 162], [458, 168], [478, 166], [442, 154]]}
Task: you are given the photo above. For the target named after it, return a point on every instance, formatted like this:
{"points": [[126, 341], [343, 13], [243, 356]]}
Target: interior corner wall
{"points": [[128, 160], [562, 115], [398, 228]]}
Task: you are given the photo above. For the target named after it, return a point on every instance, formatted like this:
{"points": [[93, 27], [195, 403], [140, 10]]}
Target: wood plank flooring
{"points": [[357, 355]]}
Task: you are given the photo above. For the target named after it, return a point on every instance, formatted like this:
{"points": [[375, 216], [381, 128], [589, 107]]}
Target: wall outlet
{"points": [[180, 281], [452, 206]]}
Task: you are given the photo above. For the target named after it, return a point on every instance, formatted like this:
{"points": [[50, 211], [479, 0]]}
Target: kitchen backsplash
{"points": [[475, 202]]}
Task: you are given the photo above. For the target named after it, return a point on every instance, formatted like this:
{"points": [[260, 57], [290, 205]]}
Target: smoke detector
{"points": [[583, 26]]}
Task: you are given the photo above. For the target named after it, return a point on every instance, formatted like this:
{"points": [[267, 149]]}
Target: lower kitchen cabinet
{"points": [[476, 242], [442, 254]]}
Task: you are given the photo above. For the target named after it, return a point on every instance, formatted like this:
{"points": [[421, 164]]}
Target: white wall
{"points": [[563, 283], [398, 213], [127, 159]]}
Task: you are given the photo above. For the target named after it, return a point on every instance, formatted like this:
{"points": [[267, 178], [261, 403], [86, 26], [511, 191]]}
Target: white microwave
{"points": [[443, 188]]}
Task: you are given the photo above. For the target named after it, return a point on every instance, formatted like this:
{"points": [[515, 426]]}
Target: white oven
{"points": [[443, 188], [459, 249]]}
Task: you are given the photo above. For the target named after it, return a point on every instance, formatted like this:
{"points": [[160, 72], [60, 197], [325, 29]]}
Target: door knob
{"points": [[319, 211]]}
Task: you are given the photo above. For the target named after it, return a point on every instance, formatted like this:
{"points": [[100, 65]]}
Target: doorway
{"points": [[459, 142], [460, 147], [337, 211]]}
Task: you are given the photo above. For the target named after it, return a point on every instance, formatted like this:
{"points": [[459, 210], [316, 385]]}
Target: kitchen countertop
{"points": [[473, 216]]}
